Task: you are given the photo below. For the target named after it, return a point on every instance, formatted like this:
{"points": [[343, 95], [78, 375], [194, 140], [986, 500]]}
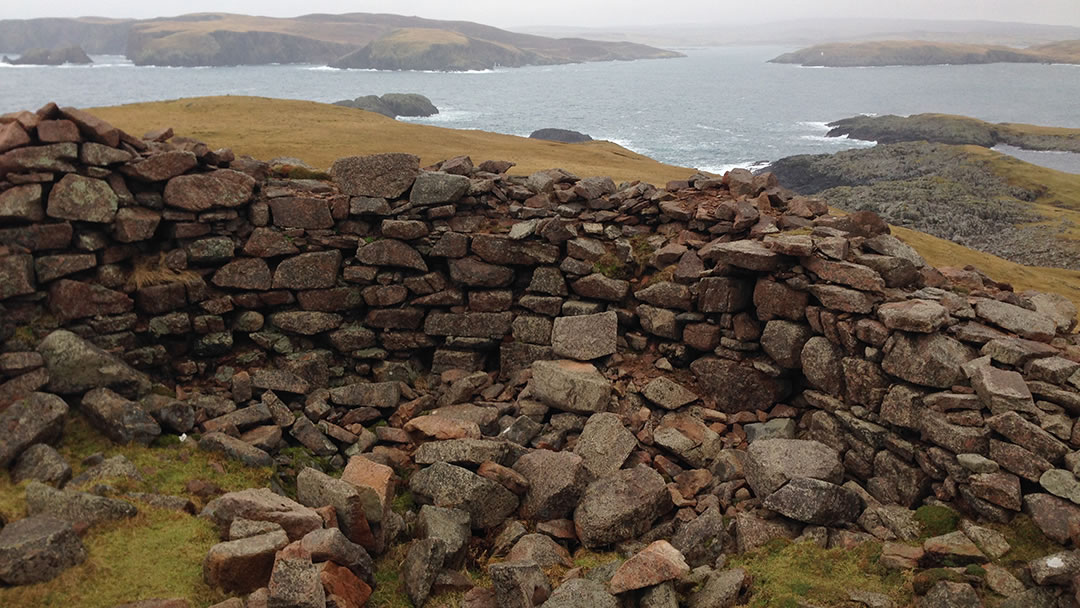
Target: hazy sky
{"points": [[591, 13]]}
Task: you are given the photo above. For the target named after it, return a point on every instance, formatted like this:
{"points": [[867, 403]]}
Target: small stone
{"points": [[668, 394]]}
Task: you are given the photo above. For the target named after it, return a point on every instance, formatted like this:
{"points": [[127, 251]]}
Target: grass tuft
{"points": [[936, 520], [151, 270], [794, 574]]}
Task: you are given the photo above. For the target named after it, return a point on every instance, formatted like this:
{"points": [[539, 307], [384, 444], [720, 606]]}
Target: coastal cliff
{"points": [[922, 52], [354, 40]]}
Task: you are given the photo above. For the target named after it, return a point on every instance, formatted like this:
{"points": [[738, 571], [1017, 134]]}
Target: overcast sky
{"points": [[590, 13]]}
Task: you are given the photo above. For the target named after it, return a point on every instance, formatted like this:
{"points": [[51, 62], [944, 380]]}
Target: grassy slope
{"points": [[320, 133], [158, 553]]}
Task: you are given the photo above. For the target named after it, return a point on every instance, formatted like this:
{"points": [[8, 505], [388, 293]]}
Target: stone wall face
{"points": [[314, 305]]}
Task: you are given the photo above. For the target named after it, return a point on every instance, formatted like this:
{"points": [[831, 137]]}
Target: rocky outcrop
{"points": [[954, 130], [565, 136], [393, 104], [58, 56], [940, 189]]}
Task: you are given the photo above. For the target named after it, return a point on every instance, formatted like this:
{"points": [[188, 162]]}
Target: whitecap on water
{"points": [[444, 115], [753, 165]]}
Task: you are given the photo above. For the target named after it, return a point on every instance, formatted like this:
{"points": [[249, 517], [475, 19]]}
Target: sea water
{"points": [[715, 109]]}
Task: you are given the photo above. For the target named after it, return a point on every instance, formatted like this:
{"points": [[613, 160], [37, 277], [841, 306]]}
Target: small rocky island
{"points": [[565, 136], [61, 56], [393, 104], [955, 130]]}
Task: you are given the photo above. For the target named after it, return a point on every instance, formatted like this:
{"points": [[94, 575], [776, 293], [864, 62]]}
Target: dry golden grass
{"points": [[330, 30], [151, 270], [940, 252], [320, 133]]}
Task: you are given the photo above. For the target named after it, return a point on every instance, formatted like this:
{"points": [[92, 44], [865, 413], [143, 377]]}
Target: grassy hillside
{"points": [[320, 133], [922, 52]]}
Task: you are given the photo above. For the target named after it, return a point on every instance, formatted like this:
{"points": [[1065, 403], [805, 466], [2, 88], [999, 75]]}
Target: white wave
{"points": [[722, 169], [708, 128], [444, 115], [326, 68], [814, 124], [843, 139]]}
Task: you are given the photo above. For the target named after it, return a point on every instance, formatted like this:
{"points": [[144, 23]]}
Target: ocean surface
{"points": [[715, 109]]}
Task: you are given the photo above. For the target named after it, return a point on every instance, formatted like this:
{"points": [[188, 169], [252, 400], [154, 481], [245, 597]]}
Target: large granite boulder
{"points": [[243, 565], [377, 176], [556, 482], [447, 485], [76, 366], [621, 506], [38, 418], [38, 549], [263, 505], [570, 386], [770, 463]]}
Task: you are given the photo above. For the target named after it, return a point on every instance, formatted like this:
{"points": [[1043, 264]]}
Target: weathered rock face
{"points": [[244, 565], [38, 549], [570, 386], [84, 199], [221, 188], [770, 463], [927, 359], [38, 418], [379, 175], [737, 387], [263, 505], [620, 506], [76, 366], [556, 482], [815, 502], [447, 485]]}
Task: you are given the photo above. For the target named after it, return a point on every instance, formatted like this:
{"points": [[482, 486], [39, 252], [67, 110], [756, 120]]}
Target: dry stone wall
{"points": [[713, 343]]}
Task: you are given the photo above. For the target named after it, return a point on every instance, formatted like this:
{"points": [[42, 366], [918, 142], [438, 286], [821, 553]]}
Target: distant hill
{"points": [[745, 29], [355, 40], [921, 52]]}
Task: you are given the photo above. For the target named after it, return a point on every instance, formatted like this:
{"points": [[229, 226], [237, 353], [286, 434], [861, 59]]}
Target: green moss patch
{"points": [[789, 574], [936, 520], [157, 554]]}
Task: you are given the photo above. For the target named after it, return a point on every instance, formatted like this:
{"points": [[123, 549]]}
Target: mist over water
{"points": [[715, 109]]}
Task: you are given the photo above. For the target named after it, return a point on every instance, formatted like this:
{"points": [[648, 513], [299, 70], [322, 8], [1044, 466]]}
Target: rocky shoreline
{"points": [[937, 189], [496, 377], [954, 130]]}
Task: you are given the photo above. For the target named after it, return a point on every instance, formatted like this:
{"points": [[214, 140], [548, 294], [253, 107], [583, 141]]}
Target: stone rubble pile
{"points": [[552, 363]]}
